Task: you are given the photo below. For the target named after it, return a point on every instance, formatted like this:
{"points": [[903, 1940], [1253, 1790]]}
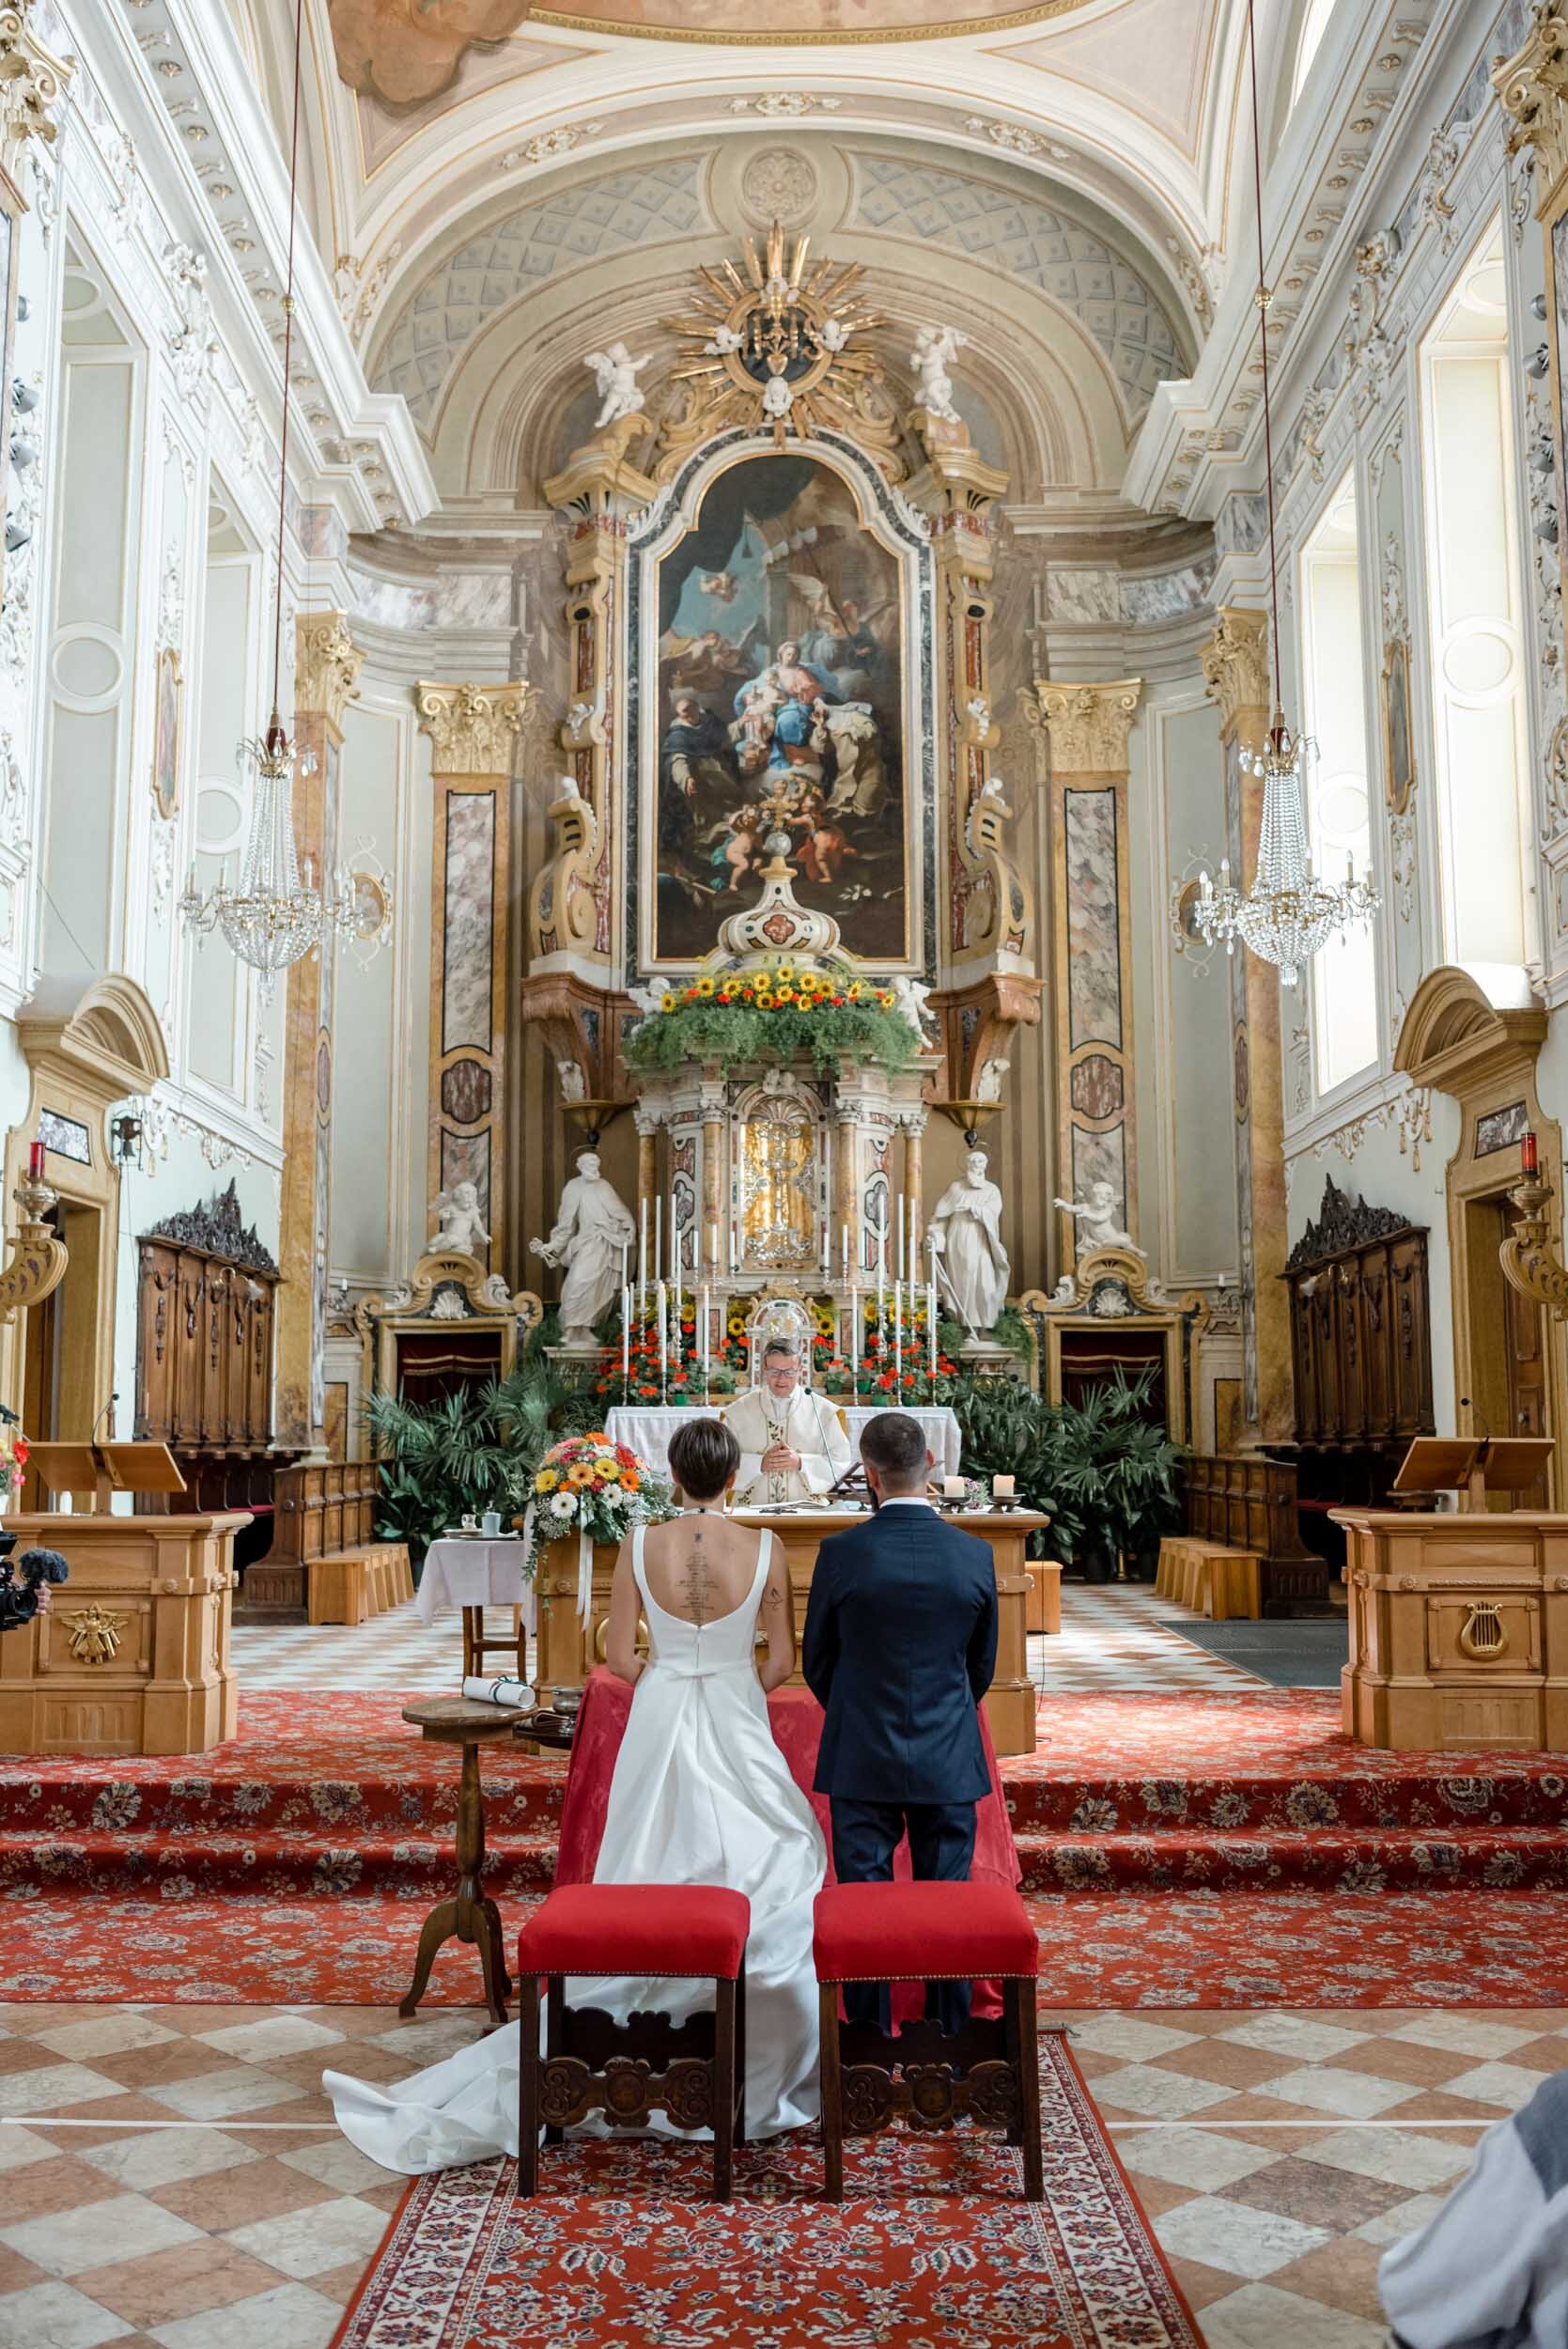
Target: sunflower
{"points": [[703, 987], [787, 993], [783, 971], [856, 991], [667, 1003], [764, 1002]]}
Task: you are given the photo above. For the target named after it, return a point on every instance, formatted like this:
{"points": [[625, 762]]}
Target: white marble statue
{"points": [[1096, 1220], [834, 335], [966, 1226], [615, 372], [934, 346], [592, 1228], [460, 1226], [569, 1076], [912, 997], [778, 396]]}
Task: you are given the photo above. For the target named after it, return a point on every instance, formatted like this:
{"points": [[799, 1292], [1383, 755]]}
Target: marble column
{"points": [[1088, 726], [326, 672], [1235, 671], [472, 729]]}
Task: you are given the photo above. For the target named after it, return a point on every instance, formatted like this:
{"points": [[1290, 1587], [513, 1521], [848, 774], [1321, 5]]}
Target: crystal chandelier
{"points": [[273, 918], [276, 917], [1289, 913]]}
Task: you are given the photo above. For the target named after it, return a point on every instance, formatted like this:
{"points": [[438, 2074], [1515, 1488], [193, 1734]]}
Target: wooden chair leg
{"points": [[741, 2052], [528, 2086], [1029, 2059], [555, 2036], [832, 2095], [1012, 2013], [723, 2091]]}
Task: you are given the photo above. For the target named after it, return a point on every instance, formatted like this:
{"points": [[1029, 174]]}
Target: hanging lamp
{"points": [[276, 915], [1290, 911]]}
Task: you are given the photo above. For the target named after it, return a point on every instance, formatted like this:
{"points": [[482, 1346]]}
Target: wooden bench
{"points": [[352, 1586], [1044, 1604], [1211, 1578]]}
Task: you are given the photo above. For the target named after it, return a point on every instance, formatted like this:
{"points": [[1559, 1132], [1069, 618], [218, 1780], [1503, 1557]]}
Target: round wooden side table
{"points": [[469, 1915]]}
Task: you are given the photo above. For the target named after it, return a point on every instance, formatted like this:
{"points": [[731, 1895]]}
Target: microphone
{"points": [[1466, 1405], [109, 1410]]}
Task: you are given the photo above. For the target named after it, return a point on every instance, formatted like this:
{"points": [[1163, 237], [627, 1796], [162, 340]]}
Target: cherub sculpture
{"points": [[615, 372], [1096, 1220], [460, 1226], [934, 346]]}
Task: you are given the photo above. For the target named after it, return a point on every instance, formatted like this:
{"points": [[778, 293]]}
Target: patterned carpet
{"points": [[1215, 1848], [932, 2242]]}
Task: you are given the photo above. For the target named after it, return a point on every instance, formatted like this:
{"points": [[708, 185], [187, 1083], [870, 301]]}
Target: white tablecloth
{"points": [[649, 1432], [473, 1573]]}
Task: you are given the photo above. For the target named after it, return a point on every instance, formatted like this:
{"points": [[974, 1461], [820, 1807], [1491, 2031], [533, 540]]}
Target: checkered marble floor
{"points": [[171, 2174], [1112, 1637]]}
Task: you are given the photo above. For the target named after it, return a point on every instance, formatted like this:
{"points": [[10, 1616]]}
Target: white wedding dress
{"points": [[700, 1795]]}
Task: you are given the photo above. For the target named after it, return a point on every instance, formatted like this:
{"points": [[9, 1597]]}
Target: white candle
{"points": [[704, 1333], [843, 1254], [931, 1331], [914, 1241], [625, 1335], [643, 1257], [898, 1267], [855, 1329], [713, 1246], [1003, 1487], [675, 1241], [881, 1280], [898, 1334], [659, 1238], [663, 1336], [827, 1259]]}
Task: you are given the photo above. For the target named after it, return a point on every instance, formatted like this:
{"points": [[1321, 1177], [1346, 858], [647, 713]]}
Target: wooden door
{"points": [[1508, 1346]]}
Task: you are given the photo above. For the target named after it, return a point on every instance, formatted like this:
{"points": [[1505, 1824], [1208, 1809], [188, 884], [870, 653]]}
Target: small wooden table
{"points": [[469, 1915]]}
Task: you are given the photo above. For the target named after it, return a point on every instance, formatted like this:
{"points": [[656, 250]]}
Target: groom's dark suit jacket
{"points": [[899, 1647]]}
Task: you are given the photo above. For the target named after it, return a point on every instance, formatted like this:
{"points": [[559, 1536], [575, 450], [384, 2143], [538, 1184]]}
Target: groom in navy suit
{"points": [[899, 1647]]}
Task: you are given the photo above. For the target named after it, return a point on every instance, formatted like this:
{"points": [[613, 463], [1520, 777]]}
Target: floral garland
{"points": [[733, 1017]]}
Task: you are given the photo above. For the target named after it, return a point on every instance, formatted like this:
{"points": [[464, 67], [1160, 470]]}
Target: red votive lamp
{"points": [[34, 1162], [1528, 1162]]}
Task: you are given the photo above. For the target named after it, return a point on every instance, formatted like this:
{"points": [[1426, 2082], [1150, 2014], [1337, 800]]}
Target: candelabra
{"points": [[39, 1257], [1528, 1259]]}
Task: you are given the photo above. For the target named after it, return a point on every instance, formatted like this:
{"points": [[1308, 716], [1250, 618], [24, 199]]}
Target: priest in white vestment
{"points": [[792, 1443]]}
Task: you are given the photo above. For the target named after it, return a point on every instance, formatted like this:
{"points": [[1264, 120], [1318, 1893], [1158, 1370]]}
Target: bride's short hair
{"points": [[704, 1456]]}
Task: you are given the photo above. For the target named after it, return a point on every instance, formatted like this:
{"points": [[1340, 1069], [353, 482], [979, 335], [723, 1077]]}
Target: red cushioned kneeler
{"points": [[987, 2072], [694, 2072]]}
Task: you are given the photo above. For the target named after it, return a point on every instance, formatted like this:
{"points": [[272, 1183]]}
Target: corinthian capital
{"points": [[1235, 665], [326, 665], [32, 80], [471, 726], [1089, 725], [1532, 91]]}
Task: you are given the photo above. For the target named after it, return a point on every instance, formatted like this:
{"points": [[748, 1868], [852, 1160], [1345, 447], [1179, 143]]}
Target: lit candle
{"points": [[1529, 1162], [36, 1153], [1003, 1487], [659, 1238], [663, 1335], [898, 1265], [931, 1331], [898, 1334]]}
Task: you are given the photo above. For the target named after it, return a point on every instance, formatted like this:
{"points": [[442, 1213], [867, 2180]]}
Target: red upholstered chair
{"points": [[695, 2071], [989, 2071]]}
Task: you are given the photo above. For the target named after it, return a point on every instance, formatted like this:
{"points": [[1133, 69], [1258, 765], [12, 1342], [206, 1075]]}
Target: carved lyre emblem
{"points": [[1484, 1634]]}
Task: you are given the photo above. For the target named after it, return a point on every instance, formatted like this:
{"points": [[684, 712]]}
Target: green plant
{"points": [[733, 1018], [474, 1450], [1100, 1470]]}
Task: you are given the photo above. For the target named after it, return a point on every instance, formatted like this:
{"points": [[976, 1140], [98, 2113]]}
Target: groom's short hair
{"points": [[894, 1445]]}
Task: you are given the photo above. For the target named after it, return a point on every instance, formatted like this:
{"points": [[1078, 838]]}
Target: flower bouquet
{"points": [[735, 1017], [597, 1489]]}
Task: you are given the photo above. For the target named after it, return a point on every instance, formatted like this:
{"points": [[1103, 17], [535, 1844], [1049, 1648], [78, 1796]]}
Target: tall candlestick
{"points": [[899, 1334], [898, 1265], [843, 1254], [643, 1256], [827, 1258], [625, 1339], [855, 1348], [881, 1283], [659, 1237], [663, 1342], [914, 1241], [931, 1331], [674, 1243]]}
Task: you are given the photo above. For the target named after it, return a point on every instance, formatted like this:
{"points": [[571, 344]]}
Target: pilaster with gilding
{"points": [[472, 729], [1532, 91], [1088, 726]]}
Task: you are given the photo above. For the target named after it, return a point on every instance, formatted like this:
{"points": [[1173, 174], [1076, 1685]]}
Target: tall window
{"points": [[1313, 26], [1343, 974], [1475, 616]]}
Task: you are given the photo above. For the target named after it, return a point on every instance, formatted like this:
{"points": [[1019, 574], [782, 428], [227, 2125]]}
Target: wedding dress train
{"points": [[700, 1795]]}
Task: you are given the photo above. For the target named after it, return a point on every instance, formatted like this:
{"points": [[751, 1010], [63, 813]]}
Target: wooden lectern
{"points": [[132, 1656], [1473, 1466], [1459, 1618]]}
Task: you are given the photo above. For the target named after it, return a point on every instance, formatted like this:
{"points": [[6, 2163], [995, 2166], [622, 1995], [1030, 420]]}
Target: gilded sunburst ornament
{"points": [[780, 344]]}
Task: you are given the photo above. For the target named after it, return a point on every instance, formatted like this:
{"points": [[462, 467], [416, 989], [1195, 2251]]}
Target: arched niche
{"points": [[1476, 1035], [88, 1043]]}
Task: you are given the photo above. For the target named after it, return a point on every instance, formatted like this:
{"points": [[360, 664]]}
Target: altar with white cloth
{"points": [[647, 1432]]}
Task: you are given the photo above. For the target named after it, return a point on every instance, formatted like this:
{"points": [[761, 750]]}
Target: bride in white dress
{"points": [[700, 1795]]}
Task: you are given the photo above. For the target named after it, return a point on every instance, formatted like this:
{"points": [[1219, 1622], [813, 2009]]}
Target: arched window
{"points": [[1475, 619], [1343, 973], [1313, 26]]}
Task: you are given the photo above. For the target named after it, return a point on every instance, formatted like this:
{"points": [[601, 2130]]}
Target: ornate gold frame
{"points": [[1396, 650], [166, 802]]}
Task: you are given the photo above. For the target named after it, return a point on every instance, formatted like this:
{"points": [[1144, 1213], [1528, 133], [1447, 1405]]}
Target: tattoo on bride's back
{"points": [[697, 1588]]}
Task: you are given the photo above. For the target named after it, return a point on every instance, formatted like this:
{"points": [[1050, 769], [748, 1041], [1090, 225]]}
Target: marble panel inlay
{"points": [[466, 1158], [468, 1016], [1093, 948]]}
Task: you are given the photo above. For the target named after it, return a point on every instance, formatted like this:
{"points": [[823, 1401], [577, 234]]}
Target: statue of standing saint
{"points": [[967, 1229], [592, 1228]]}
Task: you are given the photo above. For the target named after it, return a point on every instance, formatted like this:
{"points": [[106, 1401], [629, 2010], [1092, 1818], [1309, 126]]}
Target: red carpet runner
{"points": [[1207, 1849], [933, 2242]]}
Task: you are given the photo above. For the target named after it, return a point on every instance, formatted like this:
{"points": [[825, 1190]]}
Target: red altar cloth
{"points": [[797, 1723]]}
